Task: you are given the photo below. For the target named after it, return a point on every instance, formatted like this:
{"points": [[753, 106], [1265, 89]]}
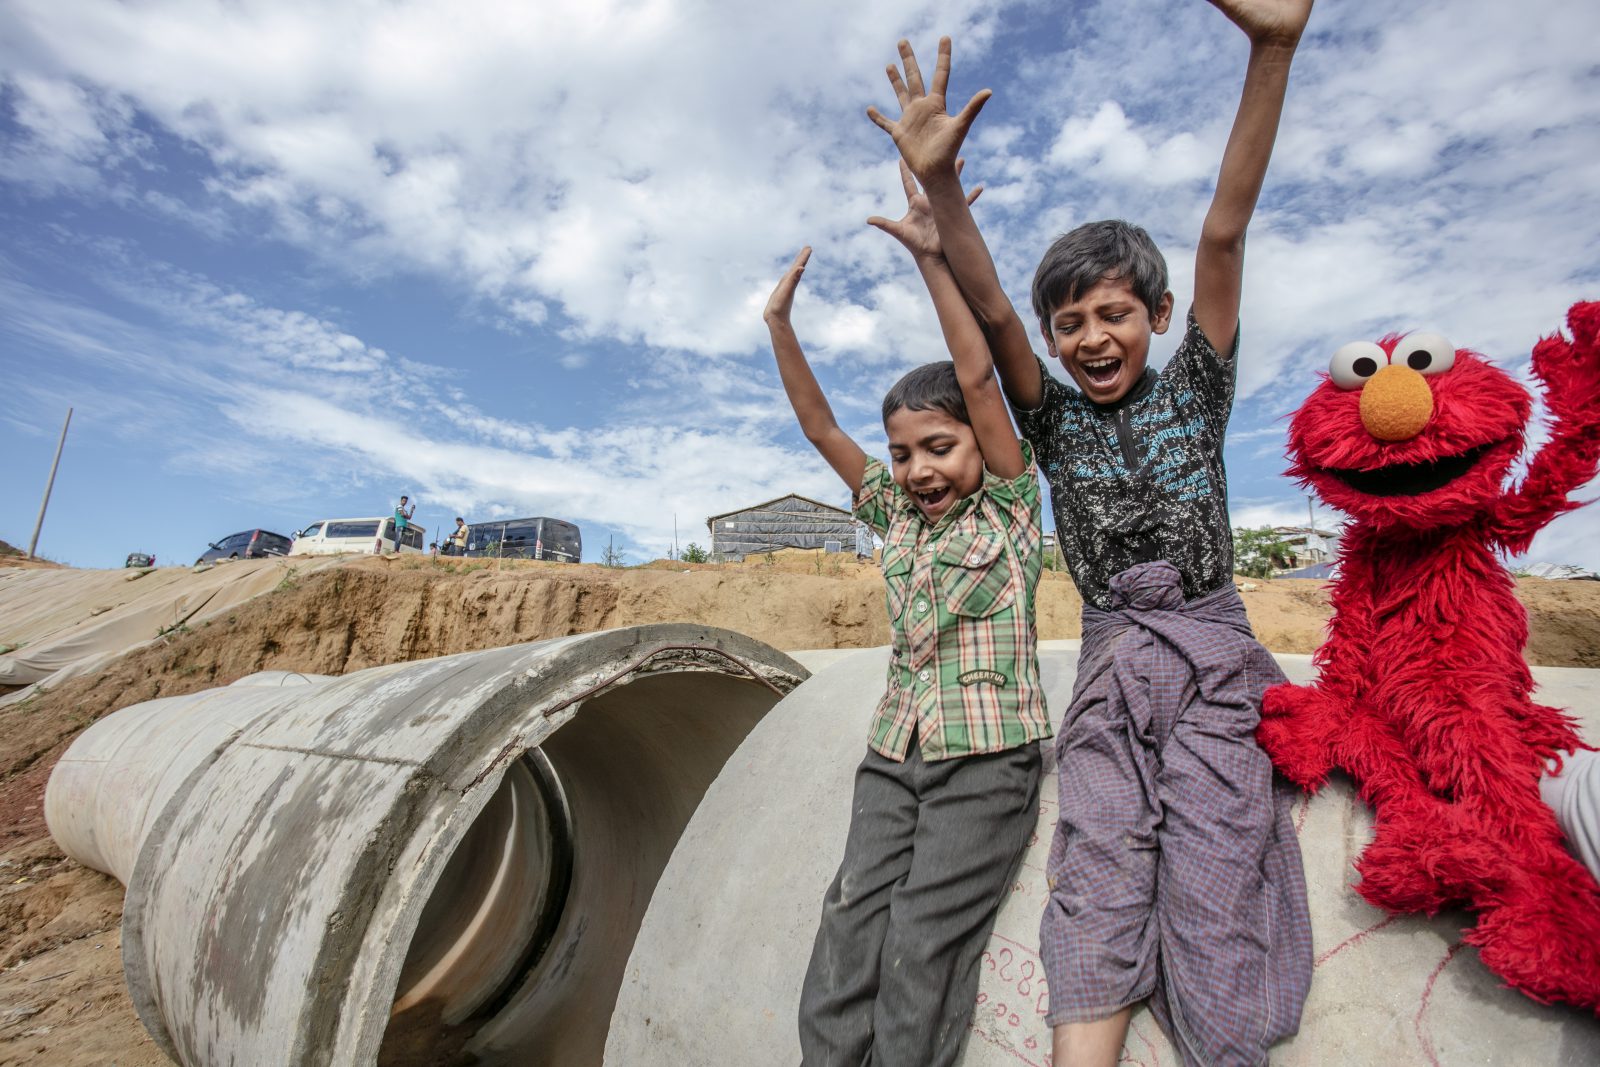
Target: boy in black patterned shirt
{"points": [[1173, 852]]}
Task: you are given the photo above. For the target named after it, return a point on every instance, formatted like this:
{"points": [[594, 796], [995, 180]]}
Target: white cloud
{"points": [[349, 411], [543, 154], [1285, 511], [626, 180], [1107, 142]]}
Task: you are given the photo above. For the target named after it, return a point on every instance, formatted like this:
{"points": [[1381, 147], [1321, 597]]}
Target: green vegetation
{"points": [[1258, 552], [695, 554], [452, 566]]}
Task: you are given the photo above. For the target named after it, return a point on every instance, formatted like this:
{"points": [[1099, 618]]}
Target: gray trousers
{"points": [[1574, 796], [931, 851]]}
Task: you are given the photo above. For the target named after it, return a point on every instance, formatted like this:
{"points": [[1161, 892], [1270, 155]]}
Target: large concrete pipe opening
{"points": [[424, 863], [494, 909], [606, 799]]}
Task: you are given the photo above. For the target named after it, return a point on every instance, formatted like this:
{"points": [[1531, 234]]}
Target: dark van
{"points": [[535, 538], [248, 544]]}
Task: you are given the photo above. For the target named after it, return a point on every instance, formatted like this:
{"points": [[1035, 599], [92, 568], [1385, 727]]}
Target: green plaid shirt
{"points": [[964, 672]]}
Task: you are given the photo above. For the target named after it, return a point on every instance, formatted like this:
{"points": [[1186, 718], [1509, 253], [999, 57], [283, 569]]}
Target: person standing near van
{"points": [[402, 519], [458, 538], [863, 534]]}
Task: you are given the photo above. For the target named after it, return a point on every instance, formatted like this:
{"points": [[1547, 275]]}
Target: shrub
{"points": [[1257, 553]]}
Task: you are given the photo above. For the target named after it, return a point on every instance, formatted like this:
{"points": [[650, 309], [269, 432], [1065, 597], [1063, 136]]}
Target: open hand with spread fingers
{"points": [[915, 229], [928, 136]]}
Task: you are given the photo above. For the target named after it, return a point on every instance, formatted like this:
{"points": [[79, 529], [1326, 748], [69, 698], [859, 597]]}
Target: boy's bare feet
{"points": [[1093, 1044]]}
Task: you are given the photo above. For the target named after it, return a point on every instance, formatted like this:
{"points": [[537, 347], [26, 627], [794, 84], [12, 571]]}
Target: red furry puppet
{"points": [[1423, 695]]}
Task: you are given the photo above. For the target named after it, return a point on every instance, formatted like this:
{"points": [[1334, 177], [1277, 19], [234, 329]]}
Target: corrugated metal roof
{"points": [[774, 500]]}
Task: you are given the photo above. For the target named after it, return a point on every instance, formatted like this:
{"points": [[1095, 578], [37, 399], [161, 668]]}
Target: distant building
{"points": [[1307, 545], [1556, 571], [792, 521]]}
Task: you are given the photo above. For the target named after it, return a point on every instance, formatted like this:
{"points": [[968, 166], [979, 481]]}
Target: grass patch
{"points": [[289, 580]]}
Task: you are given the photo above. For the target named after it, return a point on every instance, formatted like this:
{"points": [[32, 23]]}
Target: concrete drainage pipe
{"points": [[717, 965], [412, 864]]}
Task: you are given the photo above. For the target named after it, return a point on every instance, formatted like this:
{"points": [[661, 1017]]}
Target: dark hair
{"points": [[932, 386], [1107, 249], [460, 519]]}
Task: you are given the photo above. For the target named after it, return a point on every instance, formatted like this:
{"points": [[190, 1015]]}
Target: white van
{"points": [[373, 536]]}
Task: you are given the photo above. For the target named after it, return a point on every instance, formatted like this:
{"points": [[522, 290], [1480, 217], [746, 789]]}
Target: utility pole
{"points": [[49, 485], [1311, 525], [675, 554]]}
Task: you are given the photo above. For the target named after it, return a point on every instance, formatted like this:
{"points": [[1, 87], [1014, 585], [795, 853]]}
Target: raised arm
{"points": [[1274, 28], [805, 395], [1569, 373], [969, 349], [929, 139]]}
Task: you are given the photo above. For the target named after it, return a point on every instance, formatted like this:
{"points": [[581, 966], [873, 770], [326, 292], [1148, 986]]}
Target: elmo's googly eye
{"points": [[1426, 353], [1354, 363]]}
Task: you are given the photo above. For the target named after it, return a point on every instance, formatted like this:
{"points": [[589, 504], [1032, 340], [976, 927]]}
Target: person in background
{"points": [[402, 519], [457, 544], [863, 540]]}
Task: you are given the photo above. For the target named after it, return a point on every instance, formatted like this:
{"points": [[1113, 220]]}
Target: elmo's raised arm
{"points": [[1569, 372]]}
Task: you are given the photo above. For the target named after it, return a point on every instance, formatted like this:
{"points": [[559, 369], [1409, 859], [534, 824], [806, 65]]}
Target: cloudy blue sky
{"points": [[288, 260]]}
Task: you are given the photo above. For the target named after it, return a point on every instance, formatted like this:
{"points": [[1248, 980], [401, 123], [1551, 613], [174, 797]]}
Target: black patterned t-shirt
{"points": [[1141, 479]]}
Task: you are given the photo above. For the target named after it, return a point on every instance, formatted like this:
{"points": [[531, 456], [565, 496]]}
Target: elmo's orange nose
{"points": [[1396, 404]]}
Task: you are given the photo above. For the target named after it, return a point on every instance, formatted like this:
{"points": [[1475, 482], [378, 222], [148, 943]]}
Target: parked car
{"points": [[373, 536], [140, 559], [247, 544], [531, 538]]}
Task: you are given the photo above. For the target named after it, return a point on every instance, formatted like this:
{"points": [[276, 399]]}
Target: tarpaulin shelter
{"points": [[791, 521]]}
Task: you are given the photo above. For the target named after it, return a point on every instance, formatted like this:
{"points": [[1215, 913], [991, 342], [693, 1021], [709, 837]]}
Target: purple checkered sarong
{"points": [[1175, 872]]}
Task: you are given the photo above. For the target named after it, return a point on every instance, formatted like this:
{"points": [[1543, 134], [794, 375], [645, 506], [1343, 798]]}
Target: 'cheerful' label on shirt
{"points": [[974, 677]]}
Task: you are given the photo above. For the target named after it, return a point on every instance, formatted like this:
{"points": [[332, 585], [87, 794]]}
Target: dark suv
{"points": [[250, 544], [535, 538]]}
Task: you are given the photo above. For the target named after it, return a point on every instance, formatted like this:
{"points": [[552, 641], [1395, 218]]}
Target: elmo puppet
{"points": [[1423, 696]]}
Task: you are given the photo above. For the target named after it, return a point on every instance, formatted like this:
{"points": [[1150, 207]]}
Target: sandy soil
{"points": [[62, 999], [11, 556]]}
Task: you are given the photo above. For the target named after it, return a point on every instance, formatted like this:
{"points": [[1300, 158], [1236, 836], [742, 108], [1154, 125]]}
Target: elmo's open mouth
{"points": [[1412, 479]]}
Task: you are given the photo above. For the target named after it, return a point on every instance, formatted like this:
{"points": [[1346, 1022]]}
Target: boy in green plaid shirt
{"points": [[946, 797]]}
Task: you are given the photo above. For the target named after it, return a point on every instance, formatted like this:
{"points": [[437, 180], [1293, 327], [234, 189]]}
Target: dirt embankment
{"points": [[62, 999], [12, 556]]}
